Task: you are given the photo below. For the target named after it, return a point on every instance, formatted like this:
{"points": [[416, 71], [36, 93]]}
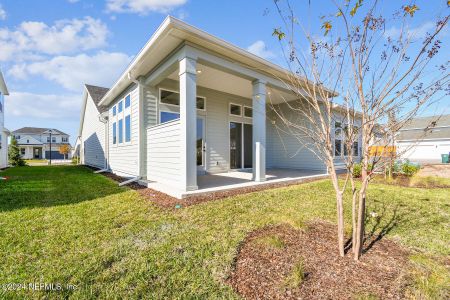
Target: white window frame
{"points": [[240, 111], [174, 105], [114, 128], [166, 111], [342, 139], [126, 111], [243, 112]]}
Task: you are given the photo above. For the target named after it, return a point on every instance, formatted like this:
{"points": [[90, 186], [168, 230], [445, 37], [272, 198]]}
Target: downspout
{"points": [[141, 136], [103, 117]]}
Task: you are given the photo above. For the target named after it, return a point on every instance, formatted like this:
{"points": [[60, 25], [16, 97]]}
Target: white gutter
{"points": [[103, 117], [130, 181], [172, 23], [100, 171]]}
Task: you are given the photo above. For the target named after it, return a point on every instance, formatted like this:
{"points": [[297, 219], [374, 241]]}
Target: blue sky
{"points": [[51, 48]]}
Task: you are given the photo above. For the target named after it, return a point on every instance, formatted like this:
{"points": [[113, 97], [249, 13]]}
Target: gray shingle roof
{"points": [[443, 120], [36, 130], [97, 93], [434, 127]]}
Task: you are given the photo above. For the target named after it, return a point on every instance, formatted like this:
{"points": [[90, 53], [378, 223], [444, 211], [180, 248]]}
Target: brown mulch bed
{"points": [[261, 271], [167, 202]]}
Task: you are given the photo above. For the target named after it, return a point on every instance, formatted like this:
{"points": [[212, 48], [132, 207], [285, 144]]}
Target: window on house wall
{"points": [[114, 110], [53, 139], [48, 139], [64, 139], [248, 112], [355, 148], [200, 103], [173, 98], [120, 106], [22, 151], [337, 139], [169, 97], [235, 110], [127, 101], [127, 128], [17, 137], [120, 129], [114, 132], [166, 116]]}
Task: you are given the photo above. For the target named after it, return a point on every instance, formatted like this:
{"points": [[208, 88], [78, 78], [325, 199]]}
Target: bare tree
{"points": [[357, 84]]}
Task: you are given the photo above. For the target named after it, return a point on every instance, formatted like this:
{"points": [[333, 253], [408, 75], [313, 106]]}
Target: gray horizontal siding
{"points": [[124, 158], [93, 137], [283, 150], [164, 153]]}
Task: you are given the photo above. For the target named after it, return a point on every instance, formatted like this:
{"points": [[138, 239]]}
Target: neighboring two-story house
{"points": [[34, 142], [4, 133]]}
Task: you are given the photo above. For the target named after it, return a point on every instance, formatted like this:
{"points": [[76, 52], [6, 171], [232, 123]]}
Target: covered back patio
{"points": [[239, 179]]}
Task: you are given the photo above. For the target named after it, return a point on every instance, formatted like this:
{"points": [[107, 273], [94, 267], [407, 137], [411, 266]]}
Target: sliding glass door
{"points": [[235, 145], [241, 152]]}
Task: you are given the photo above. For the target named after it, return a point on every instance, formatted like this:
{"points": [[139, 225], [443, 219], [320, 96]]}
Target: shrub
{"points": [[14, 157], [357, 170], [409, 169], [74, 160]]}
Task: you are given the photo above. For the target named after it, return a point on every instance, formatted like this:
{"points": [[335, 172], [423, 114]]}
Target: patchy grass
{"points": [[431, 279], [429, 181], [297, 275], [36, 161], [64, 224], [272, 241]]}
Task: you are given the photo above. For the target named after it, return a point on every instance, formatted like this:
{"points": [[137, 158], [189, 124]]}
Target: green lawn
{"points": [[64, 224]]}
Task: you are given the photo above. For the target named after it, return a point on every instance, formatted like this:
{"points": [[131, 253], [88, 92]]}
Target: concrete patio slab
{"points": [[211, 183]]}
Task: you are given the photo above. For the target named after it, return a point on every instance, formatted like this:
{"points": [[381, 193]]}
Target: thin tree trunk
{"points": [[340, 212], [360, 223], [340, 216], [354, 219]]}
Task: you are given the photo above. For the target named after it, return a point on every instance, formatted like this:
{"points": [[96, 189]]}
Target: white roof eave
{"points": [[166, 27]]}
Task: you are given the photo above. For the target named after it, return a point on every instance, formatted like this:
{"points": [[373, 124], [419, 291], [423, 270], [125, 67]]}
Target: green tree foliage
{"points": [[14, 154]]}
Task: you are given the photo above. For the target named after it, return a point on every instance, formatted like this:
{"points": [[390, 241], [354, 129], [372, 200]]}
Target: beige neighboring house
{"points": [[4, 133], [34, 142], [424, 140]]}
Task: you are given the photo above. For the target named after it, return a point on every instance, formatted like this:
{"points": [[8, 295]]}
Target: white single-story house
{"points": [[191, 111], [424, 140], [4, 133]]}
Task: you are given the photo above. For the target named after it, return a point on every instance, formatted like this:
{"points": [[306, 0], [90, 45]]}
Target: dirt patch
{"points": [[306, 266], [435, 170]]}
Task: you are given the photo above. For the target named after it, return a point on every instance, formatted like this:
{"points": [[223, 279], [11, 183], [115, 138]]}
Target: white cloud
{"points": [[64, 36], [45, 106], [73, 71], [143, 7], [414, 33], [259, 48], [2, 13]]}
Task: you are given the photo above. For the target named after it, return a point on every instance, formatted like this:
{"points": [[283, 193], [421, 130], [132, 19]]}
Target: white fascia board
{"points": [[275, 71]]}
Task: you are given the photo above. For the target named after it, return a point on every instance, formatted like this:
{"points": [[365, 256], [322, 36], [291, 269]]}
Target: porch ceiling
{"points": [[222, 81]]}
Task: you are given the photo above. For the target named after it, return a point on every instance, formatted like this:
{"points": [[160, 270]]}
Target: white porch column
{"points": [[259, 130], [188, 120]]}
